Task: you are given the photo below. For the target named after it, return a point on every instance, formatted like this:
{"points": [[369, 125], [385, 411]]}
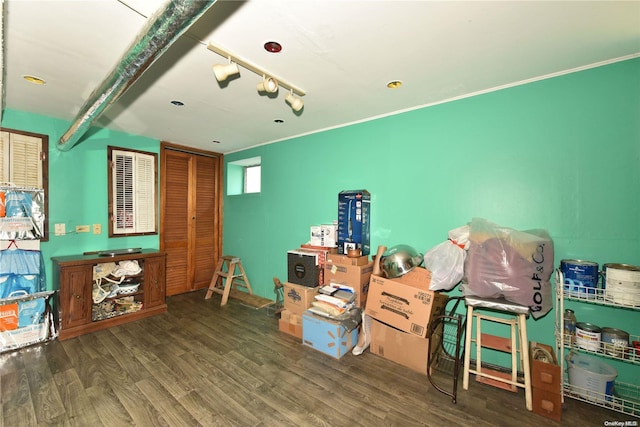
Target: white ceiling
{"points": [[342, 53]]}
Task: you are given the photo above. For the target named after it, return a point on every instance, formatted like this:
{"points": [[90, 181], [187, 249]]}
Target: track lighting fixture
{"points": [[224, 71], [295, 102], [268, 85]]}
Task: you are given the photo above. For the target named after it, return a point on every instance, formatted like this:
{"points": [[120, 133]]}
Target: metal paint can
{"points": [[614, 341], [580, 277], [588, 336], [621, 284]]}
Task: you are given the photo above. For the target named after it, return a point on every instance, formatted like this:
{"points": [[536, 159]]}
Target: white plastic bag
{"points": [[446, 260]]}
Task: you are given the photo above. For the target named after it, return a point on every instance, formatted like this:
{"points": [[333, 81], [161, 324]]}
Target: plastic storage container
{"points": [[591, 378]]}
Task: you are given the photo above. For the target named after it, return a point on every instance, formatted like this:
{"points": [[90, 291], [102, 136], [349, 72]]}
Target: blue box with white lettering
{"points": [[354, 217]]}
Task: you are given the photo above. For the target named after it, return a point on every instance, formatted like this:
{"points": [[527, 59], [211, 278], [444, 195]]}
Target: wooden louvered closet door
{"points": [[190, 216]]}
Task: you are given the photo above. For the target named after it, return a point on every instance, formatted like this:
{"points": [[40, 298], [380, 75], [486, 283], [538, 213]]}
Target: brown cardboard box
{"points": [[403, 306], [399, 347], [355, 276], [419, 277], [335, 258], [547, 403], [290, 317], [298, 298], [545, 375], [290, 329]]}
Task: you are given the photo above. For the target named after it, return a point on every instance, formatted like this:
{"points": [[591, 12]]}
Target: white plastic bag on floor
{"points": [[446, 260]]}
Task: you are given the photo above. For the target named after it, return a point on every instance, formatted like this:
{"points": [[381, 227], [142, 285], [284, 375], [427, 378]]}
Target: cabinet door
{"points": [[154, 281], [75, 295]]}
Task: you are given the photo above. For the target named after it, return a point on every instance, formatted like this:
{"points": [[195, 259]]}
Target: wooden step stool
{"points": [[230, 267], [516, 344]]}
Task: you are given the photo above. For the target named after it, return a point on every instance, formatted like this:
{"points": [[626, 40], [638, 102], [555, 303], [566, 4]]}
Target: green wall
{"points": [[78, 186], [562, 154]]}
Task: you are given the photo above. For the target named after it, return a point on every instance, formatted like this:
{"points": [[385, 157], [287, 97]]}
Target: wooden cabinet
{"points": [[78, 312]]}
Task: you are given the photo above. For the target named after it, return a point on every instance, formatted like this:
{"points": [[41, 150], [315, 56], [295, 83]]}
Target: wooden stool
{"points": [[229, 267], [515, 345]]}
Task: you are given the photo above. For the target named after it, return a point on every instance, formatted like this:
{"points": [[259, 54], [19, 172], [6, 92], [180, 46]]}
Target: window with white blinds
{"points": [[20, 159], [132, 195], [24, 164]]}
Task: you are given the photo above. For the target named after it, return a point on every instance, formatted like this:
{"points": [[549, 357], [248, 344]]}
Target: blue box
{"points": [[327, 335], [31, 312], [354, 210]]}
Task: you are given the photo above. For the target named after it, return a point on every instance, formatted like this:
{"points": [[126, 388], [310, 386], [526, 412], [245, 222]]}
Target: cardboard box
{"points": [[327, 249], [545, 375], [303, 267], [290, 323], [355, 276], [419, 277], [327, 336], [400, 347], [354, 221], [9, 317], [547, 403], [403, 306], [324, 235], [345, 260], [298, 298], [291, 317]]}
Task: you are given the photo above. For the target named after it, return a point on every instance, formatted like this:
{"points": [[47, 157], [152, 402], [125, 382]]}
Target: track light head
{"points": [[295, 102], [268, 85], [224, 71]]}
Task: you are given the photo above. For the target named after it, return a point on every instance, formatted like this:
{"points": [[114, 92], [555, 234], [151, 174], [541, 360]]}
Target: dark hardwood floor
{"points": [[202, 364]]}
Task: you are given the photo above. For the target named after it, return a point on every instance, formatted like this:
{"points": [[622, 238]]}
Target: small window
{"points": [[244, 176], [132, 192], [252, 179]]}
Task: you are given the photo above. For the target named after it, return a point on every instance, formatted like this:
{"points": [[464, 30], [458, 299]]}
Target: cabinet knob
{"points": [[77, 296]]}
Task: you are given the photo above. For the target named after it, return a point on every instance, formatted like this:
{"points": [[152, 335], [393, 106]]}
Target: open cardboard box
{"points": [[406, 306]]}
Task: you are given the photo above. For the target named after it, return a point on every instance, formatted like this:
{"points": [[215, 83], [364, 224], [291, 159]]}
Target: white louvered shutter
{"points": [[20, 160], [133, 192]]}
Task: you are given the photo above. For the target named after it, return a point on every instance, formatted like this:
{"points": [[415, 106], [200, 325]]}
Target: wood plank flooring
{"points": [[200, 364]]}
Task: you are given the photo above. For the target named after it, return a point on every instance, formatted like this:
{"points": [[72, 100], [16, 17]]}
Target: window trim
{"points": [[236, 174], [44, 159], [113, 231]]}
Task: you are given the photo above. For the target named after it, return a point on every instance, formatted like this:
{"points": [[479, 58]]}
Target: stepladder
{"points": [[229, 275]]}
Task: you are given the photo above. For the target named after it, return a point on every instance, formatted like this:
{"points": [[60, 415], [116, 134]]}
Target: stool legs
{"points": [[467, 348], [521, 347], [524, 351]]}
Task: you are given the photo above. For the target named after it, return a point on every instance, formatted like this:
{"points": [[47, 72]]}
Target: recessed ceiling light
{"points": [[34, 80], [394, 84], [177, 103], [272, 47]]}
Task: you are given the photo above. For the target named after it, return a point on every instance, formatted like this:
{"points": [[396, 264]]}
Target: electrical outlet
{"points": [[82, 228], [59, 230], [97, 229]]}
